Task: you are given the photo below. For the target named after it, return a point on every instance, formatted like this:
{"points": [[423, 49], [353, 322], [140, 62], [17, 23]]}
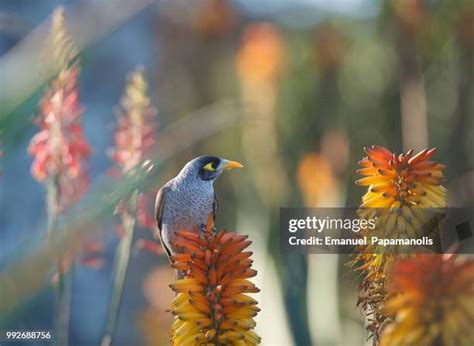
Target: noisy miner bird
{"points": [[186, 201]]}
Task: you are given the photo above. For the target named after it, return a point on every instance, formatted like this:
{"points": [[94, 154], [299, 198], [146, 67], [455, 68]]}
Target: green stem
{"points": [[64, 305], [63, 299], [122, 260], [52, 200]]}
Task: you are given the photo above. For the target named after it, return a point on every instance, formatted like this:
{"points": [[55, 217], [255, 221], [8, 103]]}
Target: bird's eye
{"points": [[211, 166]]}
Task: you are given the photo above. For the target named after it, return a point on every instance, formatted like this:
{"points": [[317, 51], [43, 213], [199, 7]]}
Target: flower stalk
{"points": [[212, 306], [122, 261], [134, 137], [59, 150]]}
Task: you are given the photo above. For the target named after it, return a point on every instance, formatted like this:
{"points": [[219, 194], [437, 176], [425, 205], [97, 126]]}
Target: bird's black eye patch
{"points": [[209, 165]]}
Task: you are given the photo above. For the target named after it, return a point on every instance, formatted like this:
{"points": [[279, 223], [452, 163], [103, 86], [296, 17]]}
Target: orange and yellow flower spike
{"points": [[212, 306], [399, 189], [432, 299]]}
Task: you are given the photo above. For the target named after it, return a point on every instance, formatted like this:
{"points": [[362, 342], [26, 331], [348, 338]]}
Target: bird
{"points": [[186, 201]]}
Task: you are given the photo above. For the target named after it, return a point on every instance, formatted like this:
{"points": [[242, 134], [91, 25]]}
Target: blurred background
{"points": [[292, 89]]}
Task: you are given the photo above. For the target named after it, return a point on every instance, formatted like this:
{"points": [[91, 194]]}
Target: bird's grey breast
{"points": [[187, 206]]}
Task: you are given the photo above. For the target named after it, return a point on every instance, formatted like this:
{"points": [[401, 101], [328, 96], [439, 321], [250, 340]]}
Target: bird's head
{"points": [[208, 168]]}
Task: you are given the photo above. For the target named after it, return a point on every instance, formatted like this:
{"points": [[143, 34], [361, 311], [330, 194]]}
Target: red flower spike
{"points": [[60, 149]]}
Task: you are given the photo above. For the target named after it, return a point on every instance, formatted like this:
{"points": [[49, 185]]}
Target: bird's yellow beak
{"points": [[232, 164]]}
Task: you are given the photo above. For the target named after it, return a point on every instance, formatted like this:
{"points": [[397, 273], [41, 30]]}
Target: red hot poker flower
{"points": [[135, 132], [211, 306], [60, 148], [432, 301]]}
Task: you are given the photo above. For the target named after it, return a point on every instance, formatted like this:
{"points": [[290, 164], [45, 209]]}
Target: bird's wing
{"points": [[159, 205], [215, 206]]}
